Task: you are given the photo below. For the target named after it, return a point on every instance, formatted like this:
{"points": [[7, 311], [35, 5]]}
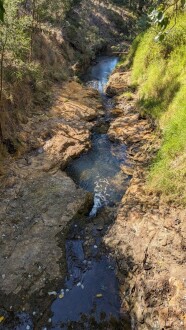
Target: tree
{"points": [[163, 13]]}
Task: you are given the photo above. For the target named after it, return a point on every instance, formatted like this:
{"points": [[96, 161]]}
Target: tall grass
{"points": [[159, 72]]}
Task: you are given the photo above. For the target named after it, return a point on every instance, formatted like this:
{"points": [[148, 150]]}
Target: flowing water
{"points": [[98, 170], [91, 293], [89, 298]]}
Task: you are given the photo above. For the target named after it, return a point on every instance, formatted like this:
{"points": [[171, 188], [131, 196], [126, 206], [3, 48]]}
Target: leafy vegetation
{"points": [[159, 71], [30, 55], [164, 13], [43, 42]]}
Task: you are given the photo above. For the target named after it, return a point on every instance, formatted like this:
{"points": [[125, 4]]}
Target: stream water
{"points": [[98, 170], [91, 293], [89, 298]]}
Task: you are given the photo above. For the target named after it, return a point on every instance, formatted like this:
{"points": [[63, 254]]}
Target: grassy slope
{"points": [[159, 71]]}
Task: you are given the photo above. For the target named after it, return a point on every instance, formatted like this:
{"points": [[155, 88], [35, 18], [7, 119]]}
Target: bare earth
{"points": [[149, 236], [37, 199]]}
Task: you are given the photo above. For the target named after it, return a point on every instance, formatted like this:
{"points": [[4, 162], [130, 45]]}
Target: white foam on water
{"points": [[100, 195]]}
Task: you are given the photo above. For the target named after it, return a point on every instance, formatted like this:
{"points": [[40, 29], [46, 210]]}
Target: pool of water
{"points": [[90, 294], [98, 171]]}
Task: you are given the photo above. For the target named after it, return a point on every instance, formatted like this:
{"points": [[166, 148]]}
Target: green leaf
{"points": [[165, 22], [183, 2], [160, 37], [160, 16], [2, 11]]}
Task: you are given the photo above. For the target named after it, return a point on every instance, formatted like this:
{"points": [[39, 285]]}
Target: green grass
{"points": [[127, 95], [159, 72], [168, 173]]}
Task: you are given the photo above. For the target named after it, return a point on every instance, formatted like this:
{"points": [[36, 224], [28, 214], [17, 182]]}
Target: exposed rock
{"points": [[127, 170], [118, 83], [38, 200], [148, 237], [130, 129], [151, 244], [33, 212], [65, 127], [117, 112]]}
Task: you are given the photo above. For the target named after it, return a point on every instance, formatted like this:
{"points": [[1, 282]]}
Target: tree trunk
{"points": [[1, 81]]}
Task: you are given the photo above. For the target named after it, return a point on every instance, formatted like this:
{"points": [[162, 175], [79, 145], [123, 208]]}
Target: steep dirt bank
{"points": [[148, 237]]}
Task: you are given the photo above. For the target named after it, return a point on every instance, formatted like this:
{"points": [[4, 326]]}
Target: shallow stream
{"points": [[89, 298], [91, 292]]}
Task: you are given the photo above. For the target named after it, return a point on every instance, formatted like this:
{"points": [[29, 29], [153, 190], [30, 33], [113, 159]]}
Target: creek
{"points": [[89, 298]]}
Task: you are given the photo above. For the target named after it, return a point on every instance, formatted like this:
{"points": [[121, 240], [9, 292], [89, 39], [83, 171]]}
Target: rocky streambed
{"points": [[56, 225], [41, 286], [37, 202]]}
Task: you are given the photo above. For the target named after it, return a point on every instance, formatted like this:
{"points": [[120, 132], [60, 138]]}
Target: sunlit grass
{"points": [[168, 173], [159, 72]]}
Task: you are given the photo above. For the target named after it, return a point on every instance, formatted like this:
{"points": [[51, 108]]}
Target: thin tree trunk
{"points": [[1, 81], [1, 73], [1, 133], [32, 29]]}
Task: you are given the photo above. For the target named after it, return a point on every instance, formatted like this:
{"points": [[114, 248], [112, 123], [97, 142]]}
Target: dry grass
{"points": [[27, 88]]}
